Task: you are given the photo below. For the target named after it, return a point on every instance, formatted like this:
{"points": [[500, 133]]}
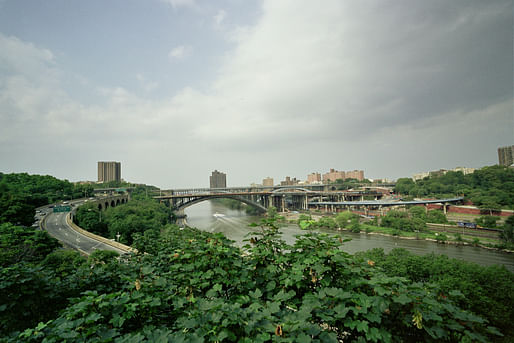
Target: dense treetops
{"points": [[489, 187], [137, 216], [193, 286], [185, 285], [488, 291], [21, 193]]}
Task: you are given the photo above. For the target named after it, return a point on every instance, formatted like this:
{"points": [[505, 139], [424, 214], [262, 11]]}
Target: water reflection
{"points": [[234, 225]]}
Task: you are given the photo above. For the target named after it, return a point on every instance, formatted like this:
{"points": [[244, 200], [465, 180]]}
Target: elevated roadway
{"points": [[57, 226]]}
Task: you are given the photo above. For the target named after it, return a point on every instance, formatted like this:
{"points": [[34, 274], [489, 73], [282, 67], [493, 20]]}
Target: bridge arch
{"points": [[200, 199], [288, 189]]}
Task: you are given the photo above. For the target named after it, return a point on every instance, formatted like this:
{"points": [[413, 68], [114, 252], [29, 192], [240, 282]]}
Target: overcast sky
{"points": [[174, 89]]}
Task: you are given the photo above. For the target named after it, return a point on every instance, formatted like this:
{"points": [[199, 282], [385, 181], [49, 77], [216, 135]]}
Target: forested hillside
{"points": [[21, 193], [489, 187]]}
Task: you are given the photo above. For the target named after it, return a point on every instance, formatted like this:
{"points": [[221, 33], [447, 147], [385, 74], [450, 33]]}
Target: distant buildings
{"points": [[109, 171], [268, 182], [334, 175], [218, 180], [355, 174], [289, 182], [506, 155], [441, 172], [314, 178], [420, 176]]}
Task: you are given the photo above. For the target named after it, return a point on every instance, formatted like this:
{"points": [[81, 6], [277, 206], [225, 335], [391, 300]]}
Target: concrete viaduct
{"points": [[291, 198], [103, 202], [282, 198]]}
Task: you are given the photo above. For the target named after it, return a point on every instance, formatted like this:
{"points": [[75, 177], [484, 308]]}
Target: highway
{"points": [[55, 224]]}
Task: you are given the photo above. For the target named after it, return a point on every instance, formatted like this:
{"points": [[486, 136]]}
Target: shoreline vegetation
{"points": [[428, 234]]}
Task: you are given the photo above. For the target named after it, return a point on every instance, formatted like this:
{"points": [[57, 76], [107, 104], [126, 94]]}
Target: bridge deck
{"points": [[385, 203]]}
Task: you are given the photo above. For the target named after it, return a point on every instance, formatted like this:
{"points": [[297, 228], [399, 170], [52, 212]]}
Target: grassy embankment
{"points": [[465, 237]]}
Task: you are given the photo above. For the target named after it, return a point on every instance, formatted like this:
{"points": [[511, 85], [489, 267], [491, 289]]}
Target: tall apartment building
{"points": [[355, 174], [109, 171], [268, 182], [218, 180], [506, 155], [314, 178], [333, 175]]}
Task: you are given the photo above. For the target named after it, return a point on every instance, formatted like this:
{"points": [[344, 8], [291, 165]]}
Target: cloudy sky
{"points": [[174, 89]]}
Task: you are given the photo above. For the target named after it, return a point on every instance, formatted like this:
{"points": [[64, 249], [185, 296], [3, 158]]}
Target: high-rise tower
{"points": [[218, 180], [109, 171]]}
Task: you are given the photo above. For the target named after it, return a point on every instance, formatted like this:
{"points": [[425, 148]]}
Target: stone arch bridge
{"points": [[105, 202]]}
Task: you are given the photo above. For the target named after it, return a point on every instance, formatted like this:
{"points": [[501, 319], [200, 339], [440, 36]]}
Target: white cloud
{"points": [[220, 17], [180, 52], [146, 84], [180, 3]]}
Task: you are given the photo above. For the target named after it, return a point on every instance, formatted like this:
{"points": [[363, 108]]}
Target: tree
{"points": [[346, 219], [487, 221], [418, 212], [507, 235], [21, 244], [404, 185], [436, 216]]}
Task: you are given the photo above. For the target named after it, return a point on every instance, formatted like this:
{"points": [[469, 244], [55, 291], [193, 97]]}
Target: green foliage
{"points": [[346, 219], [136, 216], [441, 237], [489, 188], [507, 235], [487, 221], [102, 256], [196, 286], [488, 291], [33, 293], [63, 262], [88, 217], [21, 193], [400, 220], [21, 244], [437, 217], [404, 185], [418, 212]]}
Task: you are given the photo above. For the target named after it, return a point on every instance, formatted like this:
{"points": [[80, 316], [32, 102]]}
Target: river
{"points": [[234, 225]]}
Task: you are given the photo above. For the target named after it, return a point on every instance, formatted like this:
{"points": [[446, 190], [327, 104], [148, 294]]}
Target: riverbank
{"points": [[438, 236]]}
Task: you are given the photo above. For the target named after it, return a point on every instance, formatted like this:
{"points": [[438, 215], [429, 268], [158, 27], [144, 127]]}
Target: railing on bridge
{"points": [[281, 197]]}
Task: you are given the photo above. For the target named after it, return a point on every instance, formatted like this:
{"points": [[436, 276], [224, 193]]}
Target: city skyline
{"points": [[174, 89]]}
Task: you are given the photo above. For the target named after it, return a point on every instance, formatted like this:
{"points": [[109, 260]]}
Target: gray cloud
{"points": [[389, 87]]}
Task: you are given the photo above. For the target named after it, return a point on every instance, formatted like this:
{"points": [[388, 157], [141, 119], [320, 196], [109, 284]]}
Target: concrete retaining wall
{"points": [[117, 245]]}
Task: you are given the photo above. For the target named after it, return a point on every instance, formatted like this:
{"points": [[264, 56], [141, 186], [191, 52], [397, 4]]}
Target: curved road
{"points": [[55, 224]]}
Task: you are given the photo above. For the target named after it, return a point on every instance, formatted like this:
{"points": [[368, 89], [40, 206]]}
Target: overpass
{"points": [[379, 204], [299, 197], [281, 197]]}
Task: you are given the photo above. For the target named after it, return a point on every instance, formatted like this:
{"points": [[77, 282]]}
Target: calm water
{"points": [[234, 225]]}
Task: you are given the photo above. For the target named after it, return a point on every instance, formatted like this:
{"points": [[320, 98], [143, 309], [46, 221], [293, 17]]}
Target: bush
{"points": [[488, 291], [346, 219]]}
